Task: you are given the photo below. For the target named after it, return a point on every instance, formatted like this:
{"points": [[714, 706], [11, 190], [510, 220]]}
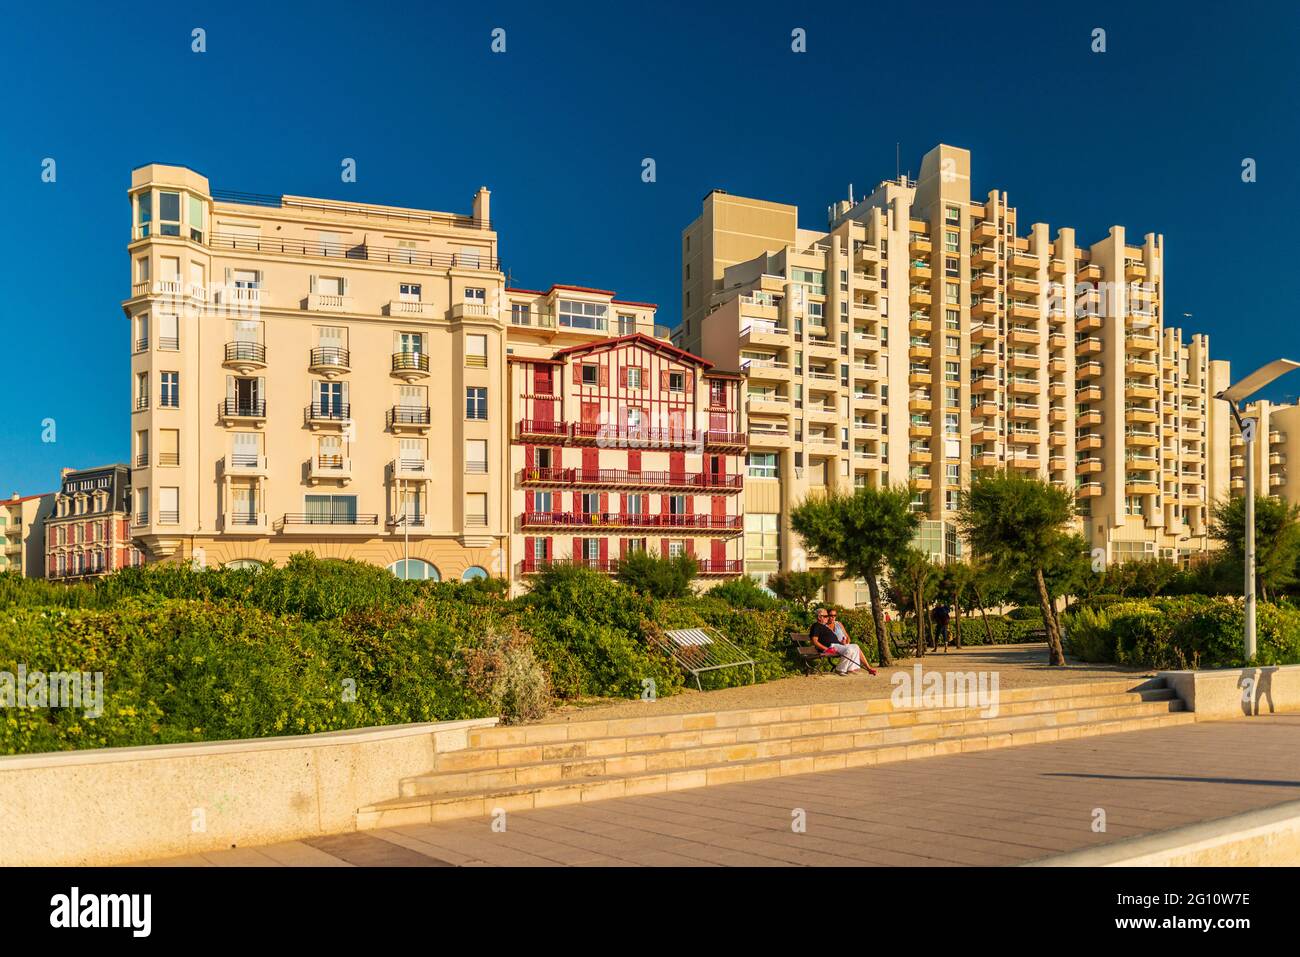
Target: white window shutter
{"points": [[261, 388], [230, 388], [345, 393], [344, 290], [311, 287]]}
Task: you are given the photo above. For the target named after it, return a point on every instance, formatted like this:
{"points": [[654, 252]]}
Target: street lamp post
{"points": [[1234, 395]]}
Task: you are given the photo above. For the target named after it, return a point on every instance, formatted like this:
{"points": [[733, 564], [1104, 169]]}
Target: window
{"points": [[762, 465], [952, 474], [143, 216], [762, 544], [951, 241], [476, 295], [476, 510], [590, 374], [676, 548], [952, 423], [331, 509], [676, 504], [169, 447], [584, 315], [476, 403], [413, 569], [952, 293], [521, 314], [952, 214], [952, 319], [169, 213], [169, 505], [142, 332], [409, 292], [407, 247], [248, 564], [142, 506], [951, 266], [952, 371], [634, 377], [476, 352], [196, 219], [476, 456], [142, 390], [142, 269], [626, 325], [169, 335], [677, 382], [637, 504], [474, 573]]}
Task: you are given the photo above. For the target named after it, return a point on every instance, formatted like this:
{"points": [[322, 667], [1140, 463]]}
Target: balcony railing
{"points": [[328, 518], [245, 352], [702, 523], [630, 479], [330, 357], [329, 412], [407, 415], [243, 408], [330, 250], [410, 362]]}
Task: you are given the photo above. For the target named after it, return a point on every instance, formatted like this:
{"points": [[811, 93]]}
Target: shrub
{"points": [[801, 588], [744, 592], [658, 577]]}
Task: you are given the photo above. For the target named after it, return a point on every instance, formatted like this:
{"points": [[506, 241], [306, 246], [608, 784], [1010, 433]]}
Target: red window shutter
{"points": [[719, 507], [590, 460], [664, 507], [528, 456], [577, 502], [604, 502], [577, 374], [690, 504], [663, 547], [663, 380], [604, 376], [604, 550], [528, 500], [577, 550], [719, 551], [622, 377], [690, 547], [634, 461], [690, 381], [528, 551], [622, 545], [550, 554]]}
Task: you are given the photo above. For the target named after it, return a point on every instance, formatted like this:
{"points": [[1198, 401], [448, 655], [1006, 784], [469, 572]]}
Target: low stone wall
{"points": [[1269, 837], [127, 804], [1237, 692]]}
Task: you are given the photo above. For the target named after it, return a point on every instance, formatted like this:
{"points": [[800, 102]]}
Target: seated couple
{"points": [[829, 636]]}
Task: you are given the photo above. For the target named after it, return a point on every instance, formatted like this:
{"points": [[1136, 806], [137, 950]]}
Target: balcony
{"points": [[325, 302], [1089, 346], [1023, 410], [984, 433], [329, 468], [983, 332], [764, 334], [1138, 413], [329, 361], [612, 436], [718, 439], [407, 418], [472, 310], [1089, 418], [984, 460], [410, 366], [245, 357], [729, 525], [1088, 370], [408, 308], [1141, 487], [1141, 463], [719, 566], [1024, 335], [919, 243], [1141, 437], [1024, 386], [1133, 269], [339, 523], [1023, 437], [919, 296], [318, 415], [984, 309], [246, 523], [985, 229], [770, 370], [242, 298], [242, 411], [919, 322], [1088, 489], [244, 465], [1089, 273], [409, 469], [703, 482], [1087, 323], [1090, 393]]}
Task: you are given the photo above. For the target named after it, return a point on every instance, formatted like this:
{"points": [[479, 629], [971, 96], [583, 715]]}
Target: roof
{"points": [[26, 498], [588, 289], [657, 345]]}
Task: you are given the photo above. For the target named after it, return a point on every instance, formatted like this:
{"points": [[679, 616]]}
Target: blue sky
{"points": [[1150, 134]]}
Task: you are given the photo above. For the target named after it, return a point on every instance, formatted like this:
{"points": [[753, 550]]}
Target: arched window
{"points": [[473, 573], [415, 569], [239, 563]]}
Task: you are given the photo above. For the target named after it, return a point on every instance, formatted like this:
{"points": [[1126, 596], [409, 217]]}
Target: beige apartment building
{"points": [[22, 529], [1277, 439], [925, 335], [318, 375]]}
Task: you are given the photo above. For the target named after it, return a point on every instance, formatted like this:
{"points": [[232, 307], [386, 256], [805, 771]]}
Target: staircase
{"points": [[545, 765]]}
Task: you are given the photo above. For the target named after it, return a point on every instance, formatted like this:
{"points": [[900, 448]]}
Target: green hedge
{"points": [[1190, 632]]}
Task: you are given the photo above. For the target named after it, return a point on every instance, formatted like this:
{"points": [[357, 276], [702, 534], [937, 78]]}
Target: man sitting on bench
{"points": [[828, 642]]}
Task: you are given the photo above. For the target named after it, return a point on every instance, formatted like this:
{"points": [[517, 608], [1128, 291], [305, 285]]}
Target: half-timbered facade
{"points": [[626, 444]]}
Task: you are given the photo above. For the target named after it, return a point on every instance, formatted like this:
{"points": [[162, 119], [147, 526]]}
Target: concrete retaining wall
{"points": [[1269, 837], [127, 804], [1237, 692]]}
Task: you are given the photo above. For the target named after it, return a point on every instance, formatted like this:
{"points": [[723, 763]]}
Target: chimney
{"points": [[483, 207]]}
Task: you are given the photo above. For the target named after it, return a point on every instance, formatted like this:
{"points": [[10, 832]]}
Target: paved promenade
{"points": [[1001, 807]]}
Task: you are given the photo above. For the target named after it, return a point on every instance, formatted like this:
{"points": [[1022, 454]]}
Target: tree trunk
{"points": [[956, 624], [917, 600], [1055, 653], [878, 617]]}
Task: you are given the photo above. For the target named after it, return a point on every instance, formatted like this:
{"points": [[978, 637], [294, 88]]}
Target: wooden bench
{"points": [[809, 656]]}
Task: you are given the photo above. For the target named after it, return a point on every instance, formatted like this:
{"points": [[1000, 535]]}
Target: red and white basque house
{"points": [[623, 444]]}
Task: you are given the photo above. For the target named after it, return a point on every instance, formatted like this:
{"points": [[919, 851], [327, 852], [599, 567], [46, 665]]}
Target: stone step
{"points": [[561, 762], [667, 723], [424, 809], [476, 758]]}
